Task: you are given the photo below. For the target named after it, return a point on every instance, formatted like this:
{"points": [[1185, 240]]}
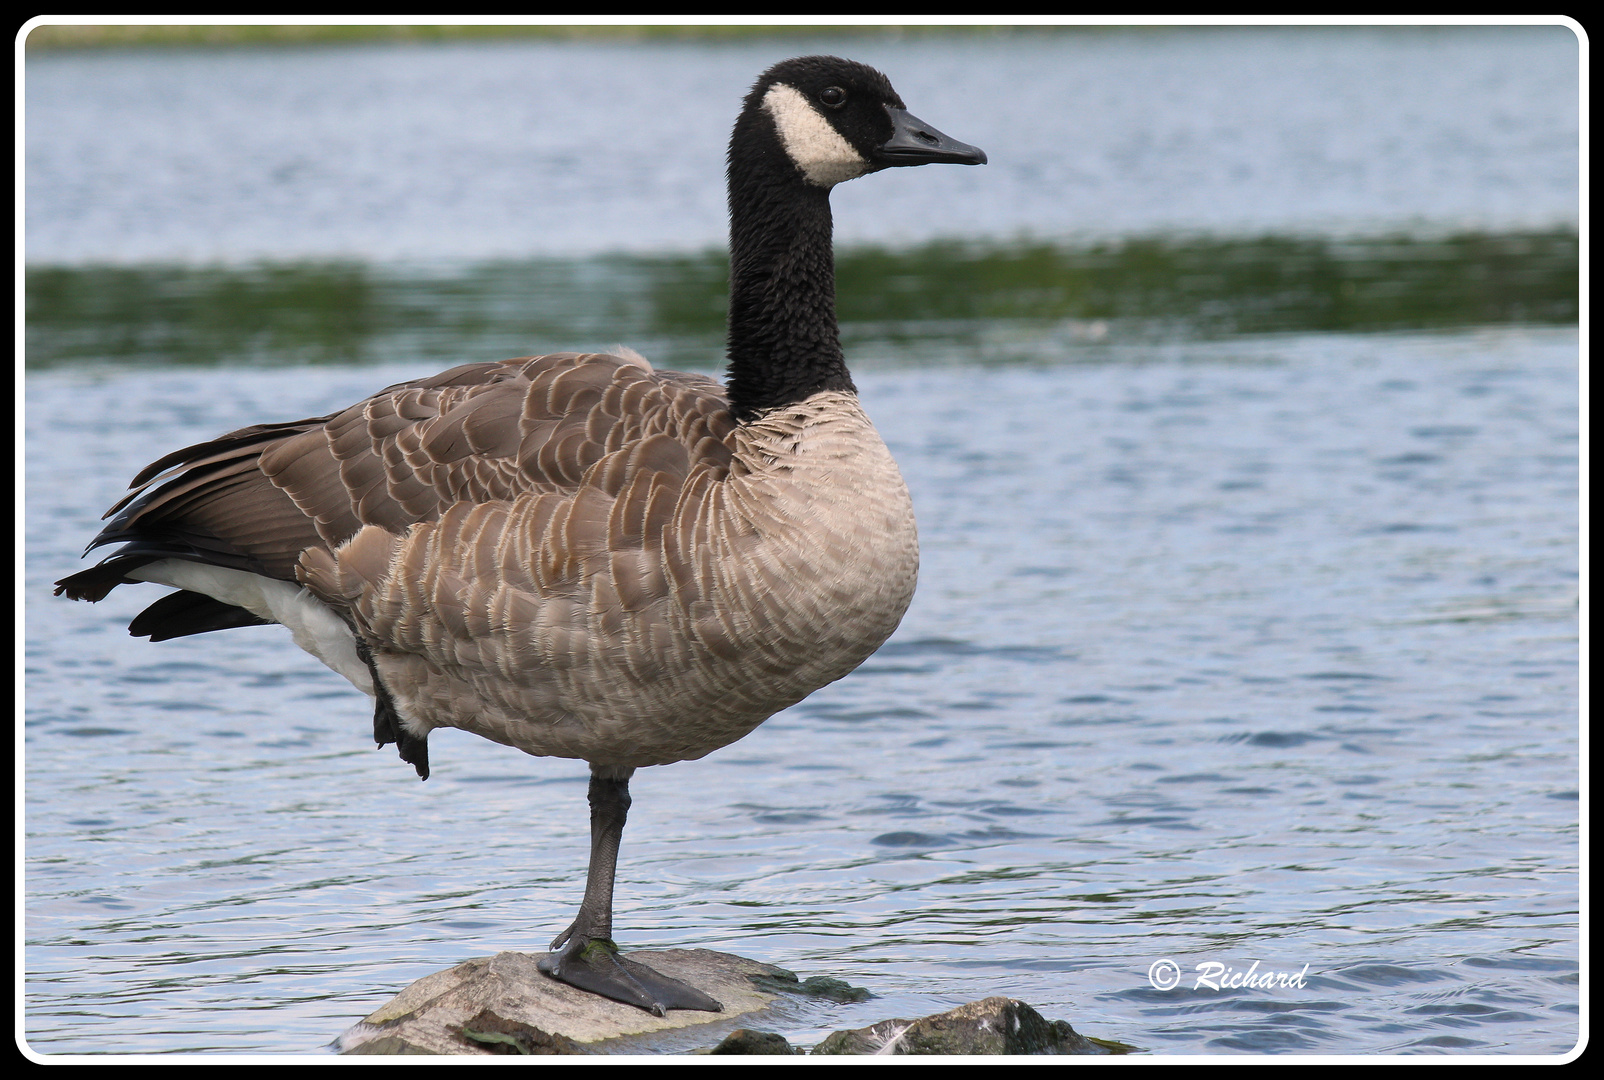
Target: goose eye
{"points": [[833, 96]]}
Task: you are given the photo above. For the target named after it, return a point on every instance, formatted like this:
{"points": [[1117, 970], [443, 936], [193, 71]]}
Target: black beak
{"points": [[914, 142]]}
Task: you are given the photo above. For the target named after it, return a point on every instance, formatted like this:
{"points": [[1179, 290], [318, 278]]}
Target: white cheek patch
{"points": [[824, 157]]}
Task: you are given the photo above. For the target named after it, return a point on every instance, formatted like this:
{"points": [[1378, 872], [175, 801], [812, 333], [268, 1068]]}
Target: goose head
{"points": [[838, 119], [807, 125]]}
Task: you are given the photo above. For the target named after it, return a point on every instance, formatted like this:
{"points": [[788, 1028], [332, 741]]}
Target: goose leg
{"points": [[584, 955]]}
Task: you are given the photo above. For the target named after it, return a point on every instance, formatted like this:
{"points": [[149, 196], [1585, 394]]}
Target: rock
{"points": [[503, 1004], [994, 1025], [819, 986], [744, 1041], [499, 1035], [869, 1040]]}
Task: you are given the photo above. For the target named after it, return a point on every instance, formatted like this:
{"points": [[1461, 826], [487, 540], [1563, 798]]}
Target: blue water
{"points": [[518, 150], [1249, 650]]}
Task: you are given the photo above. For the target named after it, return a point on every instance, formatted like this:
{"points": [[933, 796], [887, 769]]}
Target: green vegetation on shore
{"points": [[1030, 302]]}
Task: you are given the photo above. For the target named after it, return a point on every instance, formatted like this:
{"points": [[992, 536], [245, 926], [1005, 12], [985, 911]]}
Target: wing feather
{"points": [[485, 478]]}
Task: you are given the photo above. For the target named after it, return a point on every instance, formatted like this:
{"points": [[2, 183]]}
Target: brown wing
{"points": [[261, 498], [486, 433]]}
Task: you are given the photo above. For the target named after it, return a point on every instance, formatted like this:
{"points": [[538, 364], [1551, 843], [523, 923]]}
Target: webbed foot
{"points": [[595, 965]]}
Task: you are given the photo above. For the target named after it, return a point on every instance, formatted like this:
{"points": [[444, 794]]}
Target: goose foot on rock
{"points": [[597, 967]]}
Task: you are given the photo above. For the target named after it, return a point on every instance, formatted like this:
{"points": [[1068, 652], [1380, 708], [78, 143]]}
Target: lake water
{"points": [[1238, 398]]}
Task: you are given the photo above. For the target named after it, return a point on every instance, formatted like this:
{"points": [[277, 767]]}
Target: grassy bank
{"points": [[1013, 303]]}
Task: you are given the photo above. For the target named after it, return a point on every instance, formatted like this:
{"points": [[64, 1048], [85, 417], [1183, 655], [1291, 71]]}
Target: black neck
{"points": [[783, 342]]}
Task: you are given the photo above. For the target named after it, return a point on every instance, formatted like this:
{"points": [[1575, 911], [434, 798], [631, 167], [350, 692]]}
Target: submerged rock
{"points": [[819, 986], [994, 1025], [743, 1041]]}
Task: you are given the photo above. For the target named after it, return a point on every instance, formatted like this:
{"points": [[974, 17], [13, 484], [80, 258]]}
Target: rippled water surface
{"points": [[1230, 647], [1264, 652], [511, 150]]}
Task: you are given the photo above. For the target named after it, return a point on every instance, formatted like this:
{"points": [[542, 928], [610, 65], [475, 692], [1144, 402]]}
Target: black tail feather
{"points": [[183, 613]]}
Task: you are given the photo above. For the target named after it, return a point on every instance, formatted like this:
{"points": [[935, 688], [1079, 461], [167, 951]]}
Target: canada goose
{"points": [[577, 555]]}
